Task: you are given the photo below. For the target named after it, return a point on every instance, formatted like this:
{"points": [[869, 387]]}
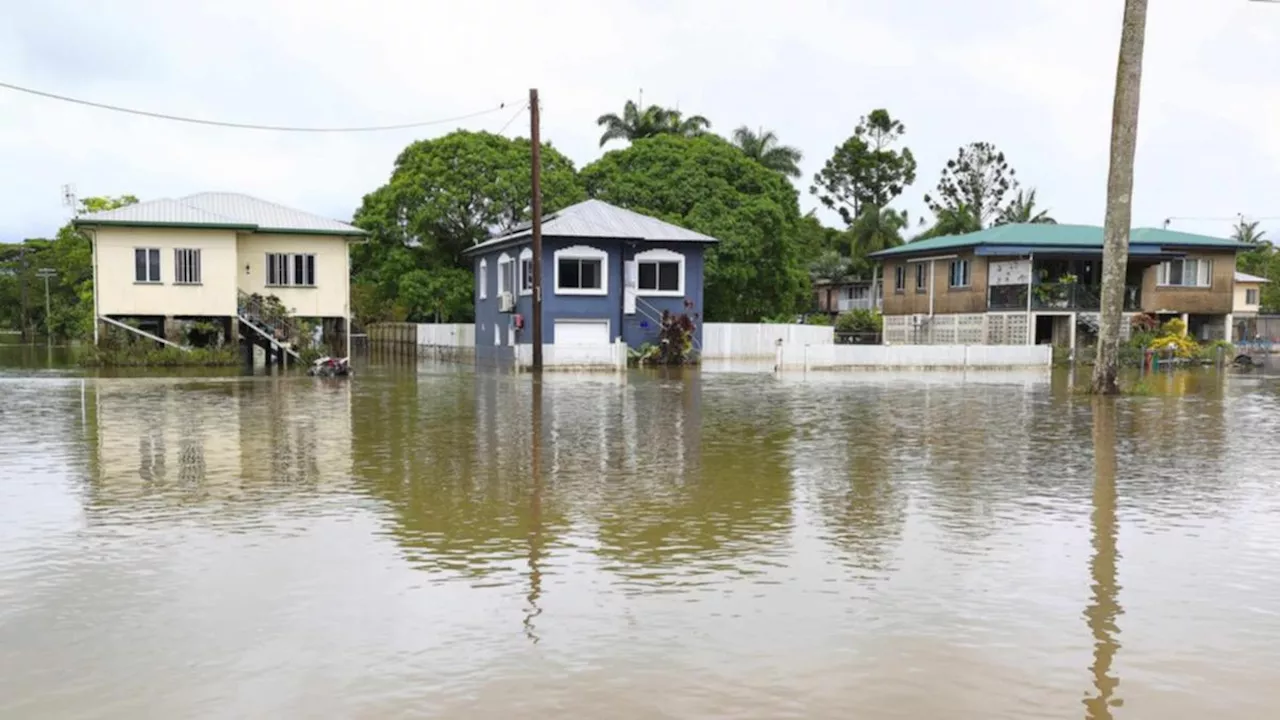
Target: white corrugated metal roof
{"points": [[220, 209], [1247, 278], [599, 219]]}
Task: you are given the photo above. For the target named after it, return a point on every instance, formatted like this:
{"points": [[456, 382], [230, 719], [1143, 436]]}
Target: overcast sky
{"points": [[1035, 77]]}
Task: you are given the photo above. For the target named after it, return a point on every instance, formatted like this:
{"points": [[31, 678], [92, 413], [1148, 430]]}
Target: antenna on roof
{"points": [[69, 198]]}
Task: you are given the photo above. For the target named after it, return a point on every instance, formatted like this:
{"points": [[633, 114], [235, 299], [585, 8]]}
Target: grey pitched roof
{"points": [[219, 210], [598, 219], [1247, 278]]}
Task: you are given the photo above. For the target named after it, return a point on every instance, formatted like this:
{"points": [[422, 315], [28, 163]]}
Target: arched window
{"points": [[482, 277], [526, 272], [582, 270], [506, 275], [660, 273]]}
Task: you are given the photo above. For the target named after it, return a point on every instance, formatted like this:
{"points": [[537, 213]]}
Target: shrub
{"points": [[1182, 346], [859, 321]]}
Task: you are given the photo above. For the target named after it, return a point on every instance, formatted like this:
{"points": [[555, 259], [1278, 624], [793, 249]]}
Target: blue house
{"points": [[608, 273]]}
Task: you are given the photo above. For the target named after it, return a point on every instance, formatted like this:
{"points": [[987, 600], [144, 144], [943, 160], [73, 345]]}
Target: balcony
{"points": [[845, 304], [1057, 296]]}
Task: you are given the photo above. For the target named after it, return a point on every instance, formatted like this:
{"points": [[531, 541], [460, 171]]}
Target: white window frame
{"points": [[482, 276], [159, 272], [1252, 296], [289, 279], [187, 259], [655, 256], [504, 261], [583, 252], [526, 261], [965, 271], [1204, 273]]}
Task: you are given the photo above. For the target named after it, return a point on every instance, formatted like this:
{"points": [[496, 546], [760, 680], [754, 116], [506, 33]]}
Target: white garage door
{"points": [[582, 332]]}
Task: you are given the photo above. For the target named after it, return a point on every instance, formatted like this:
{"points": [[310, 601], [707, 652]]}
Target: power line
{"points": [[513, 119], [248, 126]]}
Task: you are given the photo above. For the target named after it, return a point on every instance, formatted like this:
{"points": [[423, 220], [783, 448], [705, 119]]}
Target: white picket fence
{"points": [[747, 341]]}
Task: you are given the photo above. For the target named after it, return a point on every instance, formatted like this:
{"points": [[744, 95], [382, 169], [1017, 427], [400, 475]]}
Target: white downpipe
{"points": [[1031, 274]]}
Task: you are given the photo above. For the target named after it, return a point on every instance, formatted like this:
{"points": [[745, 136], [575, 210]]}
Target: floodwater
{"points": [[425, 541]]}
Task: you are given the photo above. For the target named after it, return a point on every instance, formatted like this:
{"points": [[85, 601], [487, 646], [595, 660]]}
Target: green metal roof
{"points": [[1037, 236]]}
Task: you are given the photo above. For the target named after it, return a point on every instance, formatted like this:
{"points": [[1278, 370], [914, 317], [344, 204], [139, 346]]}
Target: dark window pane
{"points": [[154, 258], [271, 269], [569, 276], [669, 276], [590, 274], [299, 273], [311, 269], [648, 276], [140, 265]]}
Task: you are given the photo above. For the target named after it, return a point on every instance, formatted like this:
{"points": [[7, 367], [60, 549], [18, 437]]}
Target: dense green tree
{"points": [[1022, 209], [69, 254], [978, 178], [866, 169], [831, 266], [763, 147], [1261, 260], [635, 123], [874, 230], [706, 184], [444, 196]]}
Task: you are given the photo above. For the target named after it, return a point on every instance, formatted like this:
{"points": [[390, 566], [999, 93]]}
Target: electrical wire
{"points": [[249, 126], [514, 117]]}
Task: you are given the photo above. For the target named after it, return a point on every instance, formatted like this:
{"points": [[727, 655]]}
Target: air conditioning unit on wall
{"points": [[506, 302]]}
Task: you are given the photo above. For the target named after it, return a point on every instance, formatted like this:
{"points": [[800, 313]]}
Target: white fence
{"points": [[611, 356], [743, 341], [454, 335], [843, 357]]}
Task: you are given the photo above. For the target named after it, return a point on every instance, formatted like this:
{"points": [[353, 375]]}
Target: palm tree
{"points": [[951, 221], [1022, 209], [876, 229], [763, 147], [636, 123], [1249, 233]]}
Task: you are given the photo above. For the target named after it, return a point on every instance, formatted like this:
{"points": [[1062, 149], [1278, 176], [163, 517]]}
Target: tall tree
{"points": [[763, 147], [831, 266], [866, 169], [445, 195], [874, 230], [635, 123], [1116, 225], [1022, 209], [951, 221], [704, 183], [979, 178], [1249, 234]]}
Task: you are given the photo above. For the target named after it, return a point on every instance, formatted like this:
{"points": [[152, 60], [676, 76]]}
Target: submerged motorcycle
{"points": [[330, 367]]}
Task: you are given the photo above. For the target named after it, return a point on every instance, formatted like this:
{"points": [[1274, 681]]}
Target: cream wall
{"points": [[1240, 305], [329, 298], [119, 294]]}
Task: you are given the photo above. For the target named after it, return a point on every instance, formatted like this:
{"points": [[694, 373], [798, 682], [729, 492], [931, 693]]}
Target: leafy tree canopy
{"points": [[444, 196], [706, 184], [763, 147], [1022, 209], [635, 123], [979, 179], [866, 169]]}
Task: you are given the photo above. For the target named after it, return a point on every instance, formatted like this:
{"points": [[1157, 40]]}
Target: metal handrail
{"points": [[281, 328]]}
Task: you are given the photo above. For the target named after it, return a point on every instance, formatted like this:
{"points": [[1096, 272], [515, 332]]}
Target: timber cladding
{"points": [[946, 299], [1217, 299]]}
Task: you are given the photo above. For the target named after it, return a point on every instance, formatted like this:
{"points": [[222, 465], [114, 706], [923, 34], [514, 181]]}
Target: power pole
{"points": [[535, 141], [47, 273]]}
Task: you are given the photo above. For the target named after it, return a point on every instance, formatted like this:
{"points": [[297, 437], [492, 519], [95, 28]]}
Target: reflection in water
{"points": [[1104, 606], [683, 544]]}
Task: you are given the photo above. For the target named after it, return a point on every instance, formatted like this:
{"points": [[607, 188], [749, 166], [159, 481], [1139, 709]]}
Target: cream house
{"points": [[1247, 304], [202, 257]]}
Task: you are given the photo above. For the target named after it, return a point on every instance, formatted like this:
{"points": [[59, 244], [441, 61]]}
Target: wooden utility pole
{"points": [[535, 142], [1119, 216]]}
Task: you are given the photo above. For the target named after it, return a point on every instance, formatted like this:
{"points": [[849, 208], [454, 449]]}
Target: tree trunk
{"points": [[1115, 250]]}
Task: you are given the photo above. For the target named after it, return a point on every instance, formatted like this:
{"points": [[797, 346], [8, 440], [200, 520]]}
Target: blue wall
{"points": [[636, 329]]}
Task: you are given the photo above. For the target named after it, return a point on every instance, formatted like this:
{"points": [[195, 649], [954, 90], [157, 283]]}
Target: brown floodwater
{"points": [[428, 541]]}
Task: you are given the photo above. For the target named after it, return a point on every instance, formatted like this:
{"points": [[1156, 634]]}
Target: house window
{"points": [[660, 272], [146, 265], [186, 266], [900, 278], [1251, 297], [1187, 272], [959, 273], [526, 272], [482, 277], [580, 270], [291, 269], [921, 274], [506, 275]]}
